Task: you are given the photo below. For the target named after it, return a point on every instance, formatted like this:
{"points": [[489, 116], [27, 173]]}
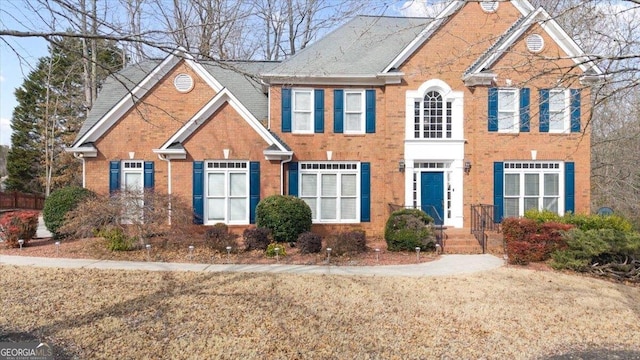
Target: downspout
{"points": [[282, 173], [164, 158], [81, 157]]}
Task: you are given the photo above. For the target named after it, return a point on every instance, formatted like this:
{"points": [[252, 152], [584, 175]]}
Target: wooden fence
{"points": [[17, 200]]}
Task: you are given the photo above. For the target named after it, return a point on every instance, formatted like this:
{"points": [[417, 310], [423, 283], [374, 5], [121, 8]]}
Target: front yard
{"points": [[505, 313]]}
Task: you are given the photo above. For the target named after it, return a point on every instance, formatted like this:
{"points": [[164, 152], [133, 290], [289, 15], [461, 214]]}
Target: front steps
{"points": [[461, 241]]}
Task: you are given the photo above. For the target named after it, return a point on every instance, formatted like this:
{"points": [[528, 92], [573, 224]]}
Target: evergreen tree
{"points": [[50, 111]]}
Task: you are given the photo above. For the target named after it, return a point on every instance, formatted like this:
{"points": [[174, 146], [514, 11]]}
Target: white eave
{"points": [[85, 150], [484, 78], [277, 154], [172, 154]]}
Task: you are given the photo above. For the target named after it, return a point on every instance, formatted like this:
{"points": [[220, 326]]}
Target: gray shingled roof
{"points": [[363, 46], [236, 76]]}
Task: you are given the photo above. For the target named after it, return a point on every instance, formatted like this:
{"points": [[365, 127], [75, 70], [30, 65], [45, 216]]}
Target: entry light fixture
{"points": [[467, 166], [401, 165]]}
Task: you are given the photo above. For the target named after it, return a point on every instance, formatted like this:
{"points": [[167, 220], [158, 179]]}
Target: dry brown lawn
{"points": [[508, 313]]}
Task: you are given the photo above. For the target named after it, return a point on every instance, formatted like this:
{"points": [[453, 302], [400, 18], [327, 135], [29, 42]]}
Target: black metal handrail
{"points": [[483, 219]]}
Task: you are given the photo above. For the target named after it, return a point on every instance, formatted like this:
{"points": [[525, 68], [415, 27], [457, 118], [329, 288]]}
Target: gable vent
{"points": [[489, 6], [535, 43], [183, 83]]}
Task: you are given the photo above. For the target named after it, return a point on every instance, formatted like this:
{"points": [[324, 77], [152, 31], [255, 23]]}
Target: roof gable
{"points": [[203, 115], [508, 39]]}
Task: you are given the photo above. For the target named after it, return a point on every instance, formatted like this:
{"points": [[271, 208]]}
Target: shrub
{"points": [[59, 203], [17, 225], [529, 241], [218, 238], [286, 216], [407, 229], [256, 238], [348, 242], [601, 246], [116, 239], [309, 243], [275, 248], [581, 221]]}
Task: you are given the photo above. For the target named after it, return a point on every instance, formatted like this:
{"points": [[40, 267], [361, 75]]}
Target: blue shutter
{"points": [[544, 110], [493, 109], [293, 178], [498, 190], [254, 189], [365, 192], [198, 192], [338, 111], [318, 113], [525, 95], [149, 177], [286, 110], [569, 187], [370, 111], [114, 176], [575, 110]]}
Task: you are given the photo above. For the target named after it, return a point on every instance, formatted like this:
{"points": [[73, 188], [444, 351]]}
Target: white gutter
{"points": [[282, 172], [164, 158], [84, 173]]}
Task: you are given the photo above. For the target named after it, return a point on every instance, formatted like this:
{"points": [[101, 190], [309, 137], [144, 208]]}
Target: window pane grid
{"points": [[227, 191], [531, 185], [330, 190]]}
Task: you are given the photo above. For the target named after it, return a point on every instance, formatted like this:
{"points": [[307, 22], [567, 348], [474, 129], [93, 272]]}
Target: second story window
{"points": [[354, 112], [508, 110], [302, 111], [432, 117], [558, 114]]}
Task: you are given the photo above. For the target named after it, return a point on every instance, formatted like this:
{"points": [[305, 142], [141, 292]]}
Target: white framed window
{"points": [[227, 192], [332, 191], [354, 112], [508, 110], [132, 188], [559, 117], [433, 117], [302, 111], [533, 185]]}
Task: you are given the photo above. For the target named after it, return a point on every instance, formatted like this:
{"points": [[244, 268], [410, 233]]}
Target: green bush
{"points": [[309, 243], [59, 203], [348, 243], [286, 216], [218, 238], [117, 240], [275, 248], [407, 229], [256, 238], [601, 246], [581, 221]]}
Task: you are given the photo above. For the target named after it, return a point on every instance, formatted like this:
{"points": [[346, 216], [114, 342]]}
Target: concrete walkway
{"points": [[445, 265]]}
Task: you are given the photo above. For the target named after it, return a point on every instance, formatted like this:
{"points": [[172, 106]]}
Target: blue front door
{"points": [[432, 195]]}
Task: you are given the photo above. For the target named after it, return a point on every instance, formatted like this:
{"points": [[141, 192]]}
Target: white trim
{"points": [[311, 92], [227, 171], [362, 111], [515, 123], [566, 111], [558, 168]]}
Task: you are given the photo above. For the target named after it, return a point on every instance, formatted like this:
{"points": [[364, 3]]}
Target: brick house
{"points": [[484, 104]]}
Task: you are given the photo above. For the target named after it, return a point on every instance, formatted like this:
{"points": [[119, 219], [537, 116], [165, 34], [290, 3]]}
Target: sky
{"points": [[14, 68]]}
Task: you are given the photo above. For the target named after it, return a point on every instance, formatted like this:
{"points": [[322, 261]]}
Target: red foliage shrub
{"points": [[528, 241], [17, 225]]}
